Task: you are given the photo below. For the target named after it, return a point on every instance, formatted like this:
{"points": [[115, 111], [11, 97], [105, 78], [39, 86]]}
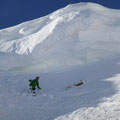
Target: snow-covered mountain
{"points": [[77, 34], [78, 42]]}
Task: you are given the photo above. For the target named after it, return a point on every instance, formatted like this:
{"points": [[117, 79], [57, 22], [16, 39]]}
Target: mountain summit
{"points": [[77, 34]]}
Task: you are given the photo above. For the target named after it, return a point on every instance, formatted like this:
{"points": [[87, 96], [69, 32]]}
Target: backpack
{"points": [[30, 82]]}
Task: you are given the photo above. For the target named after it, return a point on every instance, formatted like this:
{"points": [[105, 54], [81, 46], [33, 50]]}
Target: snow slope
{"points": [[90, 30], [98, 98], [78, 42]]}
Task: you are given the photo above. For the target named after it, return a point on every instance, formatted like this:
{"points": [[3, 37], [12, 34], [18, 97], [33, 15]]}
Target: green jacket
{"points": [[34, 83]]}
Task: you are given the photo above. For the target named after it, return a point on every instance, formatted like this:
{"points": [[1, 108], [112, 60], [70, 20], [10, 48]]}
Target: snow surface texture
{"points": [[77, 34], [78, 42]]}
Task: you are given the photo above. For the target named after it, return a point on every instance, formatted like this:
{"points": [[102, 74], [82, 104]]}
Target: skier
{"points": [[34, 83]]}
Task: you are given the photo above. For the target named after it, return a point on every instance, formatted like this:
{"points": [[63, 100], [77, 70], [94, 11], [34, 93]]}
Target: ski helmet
{"points": [[37, 77]]}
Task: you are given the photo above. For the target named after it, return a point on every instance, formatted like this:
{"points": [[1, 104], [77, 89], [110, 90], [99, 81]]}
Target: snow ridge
{"points": [[91, 31]]}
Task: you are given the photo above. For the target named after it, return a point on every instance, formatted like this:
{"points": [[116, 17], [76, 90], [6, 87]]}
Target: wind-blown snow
{"points": [[77, 34], [78, 42]]}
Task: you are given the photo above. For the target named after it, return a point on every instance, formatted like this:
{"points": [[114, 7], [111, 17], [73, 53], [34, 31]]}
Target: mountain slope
{"points": [[90, 30], [98, 98], [78, 42]]}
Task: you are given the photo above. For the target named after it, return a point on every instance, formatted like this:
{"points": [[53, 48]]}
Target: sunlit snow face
{"points": [[75, 35]]}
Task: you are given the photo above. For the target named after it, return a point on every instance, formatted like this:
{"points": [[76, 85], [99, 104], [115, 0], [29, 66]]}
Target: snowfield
{"points": [[78, 42]]}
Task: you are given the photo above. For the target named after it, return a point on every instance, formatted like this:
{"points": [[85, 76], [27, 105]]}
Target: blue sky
{"points": [[13, 12]]}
